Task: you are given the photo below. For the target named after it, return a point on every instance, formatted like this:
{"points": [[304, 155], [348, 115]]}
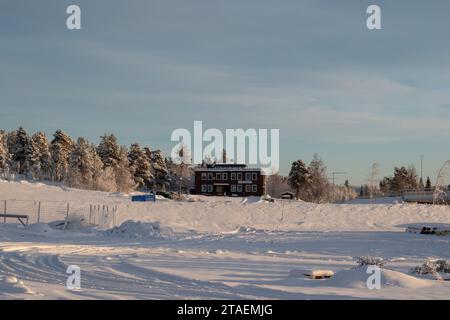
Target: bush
{"points": [[432, 267], [370, 261]]}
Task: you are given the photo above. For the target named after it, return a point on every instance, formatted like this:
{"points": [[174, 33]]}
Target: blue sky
{"points": [[141, 69]]}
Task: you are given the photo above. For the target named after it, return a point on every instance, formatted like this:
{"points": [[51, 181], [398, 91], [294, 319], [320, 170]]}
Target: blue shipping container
{"points": [[144, 198]]}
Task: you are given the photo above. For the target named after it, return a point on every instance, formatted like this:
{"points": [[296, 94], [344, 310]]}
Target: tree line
{"points": [[79, 163]]}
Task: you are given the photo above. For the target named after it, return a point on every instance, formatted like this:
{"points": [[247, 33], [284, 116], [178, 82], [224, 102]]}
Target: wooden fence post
{"points": [[67, 216], [39, 213], [4, 212]]}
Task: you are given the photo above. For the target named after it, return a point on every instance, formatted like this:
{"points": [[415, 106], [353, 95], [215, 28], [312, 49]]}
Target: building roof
{"points": [[226, 167]]}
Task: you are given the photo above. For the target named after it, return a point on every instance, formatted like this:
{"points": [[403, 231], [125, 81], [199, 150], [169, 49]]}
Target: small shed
{"points": [[287, 195]]}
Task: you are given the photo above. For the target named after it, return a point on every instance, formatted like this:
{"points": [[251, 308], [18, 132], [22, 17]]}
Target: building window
{"points": [[218, 176], [233, 188], [233, 176], [225, 176], [239, 188], [210, 176], [239, 175], [254, 176], [210, 188], [204, 176], [204, 188], [248, 176], [254, 188], [248, 188]]}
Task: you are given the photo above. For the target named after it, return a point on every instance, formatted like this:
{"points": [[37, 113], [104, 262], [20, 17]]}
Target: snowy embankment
{"points": [[208, 247], [220, 214]]}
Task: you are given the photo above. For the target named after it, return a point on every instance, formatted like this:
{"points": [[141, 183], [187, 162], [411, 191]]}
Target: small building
{"points": [[229, 180]]}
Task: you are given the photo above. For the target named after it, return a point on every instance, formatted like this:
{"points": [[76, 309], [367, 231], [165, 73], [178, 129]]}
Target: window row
{"points": [[207, 188], [248, 188], [234, 176], [233, 188]]}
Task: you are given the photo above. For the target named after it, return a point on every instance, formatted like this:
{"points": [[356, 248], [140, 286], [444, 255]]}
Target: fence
{"points": [[103, 215]]}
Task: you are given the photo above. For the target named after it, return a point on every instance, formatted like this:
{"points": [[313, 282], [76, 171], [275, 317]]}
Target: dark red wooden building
{"points": [[229, 180]]}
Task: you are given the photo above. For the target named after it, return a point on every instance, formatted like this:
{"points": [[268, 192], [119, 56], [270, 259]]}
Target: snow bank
{"points": [[357, 278], [141, 230], [11, 285], [42, 229], [243, 230]]}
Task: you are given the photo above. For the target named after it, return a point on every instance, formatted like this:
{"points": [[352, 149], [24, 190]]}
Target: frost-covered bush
{"points": [[432, 267], [137, 229], [370, 261]]}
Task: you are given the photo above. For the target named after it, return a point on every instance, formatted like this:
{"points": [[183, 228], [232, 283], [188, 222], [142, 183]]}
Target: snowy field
{"points": [[217, 248]]}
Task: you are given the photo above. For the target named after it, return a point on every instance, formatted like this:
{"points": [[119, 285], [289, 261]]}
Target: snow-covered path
{"points": [[238, 266]]}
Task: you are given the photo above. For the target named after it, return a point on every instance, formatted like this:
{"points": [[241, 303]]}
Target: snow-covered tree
{"points": [[42, 144], [32, 164], [159, 168], [276, 185], [404, 178], [18, 144], [299, 177], [60, 149], [140, 166], [109, 150], [320, 187], [115, 157], [85, 165], [4, 153], [124, 180]]}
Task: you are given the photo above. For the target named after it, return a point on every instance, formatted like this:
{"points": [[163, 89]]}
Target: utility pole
{"points": [[421, 168]]}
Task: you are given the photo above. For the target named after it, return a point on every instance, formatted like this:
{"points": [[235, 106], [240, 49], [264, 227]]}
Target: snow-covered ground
{"points": [[216, 248]]}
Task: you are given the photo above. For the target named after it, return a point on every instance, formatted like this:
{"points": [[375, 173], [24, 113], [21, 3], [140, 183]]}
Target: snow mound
{"points": [[11, 285], [242, 229], [313, 274], [41, 229], [357, 278], [141, 230], [251, 199], [73, 223]]}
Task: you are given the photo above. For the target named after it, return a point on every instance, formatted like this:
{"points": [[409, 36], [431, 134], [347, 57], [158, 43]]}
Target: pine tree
{"points": [[123, 178], [428, 184], [160, 169], [60, 149], [84, 165], [32, 165], [109, 150], [299, 177], [4, 153], [18, 144], [140, 166], [44, 157], [115, 159], [404, 179]]}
